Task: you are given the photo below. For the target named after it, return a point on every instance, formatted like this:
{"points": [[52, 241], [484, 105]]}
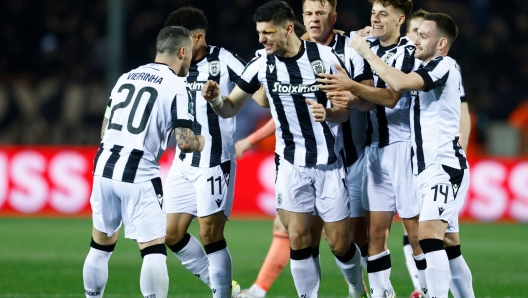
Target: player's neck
{"points": [[292, 47], [201, 52], [390, 40], [326, 40], [170, 61]]}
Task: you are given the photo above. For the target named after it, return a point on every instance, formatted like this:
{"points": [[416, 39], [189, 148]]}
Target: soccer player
{"points": [[201, 184], [145, 105], [461, 277], [319, 17], [439, 164], [310, 173], [388, 181]]}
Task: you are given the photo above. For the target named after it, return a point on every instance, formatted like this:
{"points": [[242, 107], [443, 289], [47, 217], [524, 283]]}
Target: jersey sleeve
{"points": [[248, 81], [361, 69], [435, 73], [182, 110], [405, 60], [235, 66]]}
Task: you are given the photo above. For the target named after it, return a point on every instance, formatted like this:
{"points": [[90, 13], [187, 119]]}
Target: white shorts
{"points": [[200, 191], [320, 188], [355, 187], [388, 180], [443, 190], [138, 205]]}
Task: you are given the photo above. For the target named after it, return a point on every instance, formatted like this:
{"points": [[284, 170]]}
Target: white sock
{"points": [[304, 272], [220, 269], [379, 269], [317, 261], [257, 291], [421, 265], [350, 266], [411, 265], [461, 280], [95, 272], [194, 259], [154, 279], [437, 273]]}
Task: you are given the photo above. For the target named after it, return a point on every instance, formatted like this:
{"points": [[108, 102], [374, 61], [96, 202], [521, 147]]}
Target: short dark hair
{"points": [[404, 6], [420, 13], [332, 3], [171, 39], [445, 25], [188, 17], [277, 11]]}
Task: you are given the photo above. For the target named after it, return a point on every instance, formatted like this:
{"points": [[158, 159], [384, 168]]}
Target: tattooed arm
{"points": [[103, 128], [188, 141]]}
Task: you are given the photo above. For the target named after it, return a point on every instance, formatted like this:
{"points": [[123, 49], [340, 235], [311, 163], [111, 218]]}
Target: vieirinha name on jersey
{"points": [[145, 76], [279, 87]]}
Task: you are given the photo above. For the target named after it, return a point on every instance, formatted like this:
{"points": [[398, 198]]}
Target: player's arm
{"points": [[182, 118], [245, 144], [396, 79], [337, 114], [224, 107], [465, 125], [187, 141], [261, 98], [106, 117]]}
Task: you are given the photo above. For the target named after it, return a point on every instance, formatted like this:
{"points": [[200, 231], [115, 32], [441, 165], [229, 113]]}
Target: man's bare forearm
{"points": [[337, 115], [187, 140]]}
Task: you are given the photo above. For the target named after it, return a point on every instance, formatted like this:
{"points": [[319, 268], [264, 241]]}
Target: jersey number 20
{"points": [[146, 114]]}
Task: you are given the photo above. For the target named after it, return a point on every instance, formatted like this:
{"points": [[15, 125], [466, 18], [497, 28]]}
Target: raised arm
{"points": [[396, 79], [229, 106]]}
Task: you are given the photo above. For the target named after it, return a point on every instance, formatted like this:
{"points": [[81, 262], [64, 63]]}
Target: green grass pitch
{"points": [[44, 258]]}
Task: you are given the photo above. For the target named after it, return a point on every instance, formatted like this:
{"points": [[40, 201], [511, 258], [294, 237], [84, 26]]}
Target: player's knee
{"points": [[210, 234], [107, 248], [177, 245], [340, 247], [174, 237], [154, 249]]}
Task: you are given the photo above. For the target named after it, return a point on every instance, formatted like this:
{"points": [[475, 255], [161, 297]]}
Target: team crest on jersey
{"points": [[387, 56], [214, 68], [342, 57], [318, 67]]}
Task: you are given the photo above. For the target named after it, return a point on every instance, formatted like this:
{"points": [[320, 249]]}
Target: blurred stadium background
{"points": [[59, 59]]}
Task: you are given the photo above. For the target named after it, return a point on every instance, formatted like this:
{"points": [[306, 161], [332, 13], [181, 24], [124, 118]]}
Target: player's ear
{"points": [[200, 37], [334, 18], [401, 19], [181, 53], [442, 43], [289, 29]]}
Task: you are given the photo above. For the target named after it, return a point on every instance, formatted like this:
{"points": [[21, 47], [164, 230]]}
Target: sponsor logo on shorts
{"points": [[218, 202], [455, 190], [440, 210], [160, 200], [279, 198]]}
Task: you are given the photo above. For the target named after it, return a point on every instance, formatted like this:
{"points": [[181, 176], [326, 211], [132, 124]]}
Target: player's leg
{"points": [[410, 263], [302, 265], [180, 198], [461, 283], [379, 201], [276, 259], [443, 189], [295, 197], [316, 230], [106, 217], [214, 195], [145, 221]]}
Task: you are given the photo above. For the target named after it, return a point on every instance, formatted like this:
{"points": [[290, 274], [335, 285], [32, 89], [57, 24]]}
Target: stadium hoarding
{"points": [[56, 181]]}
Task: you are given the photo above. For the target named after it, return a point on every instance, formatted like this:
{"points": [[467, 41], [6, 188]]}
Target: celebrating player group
{"points": [[368, 124]]}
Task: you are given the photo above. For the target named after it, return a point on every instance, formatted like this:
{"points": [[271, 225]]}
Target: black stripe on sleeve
{"points": [[287, 136], [108, 171], [182, 123], [461, 159], [408, 59], [129, 174], [424, 73]]}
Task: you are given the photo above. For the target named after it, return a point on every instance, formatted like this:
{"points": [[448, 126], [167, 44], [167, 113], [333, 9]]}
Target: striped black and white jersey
{"points": [[288, 83], [354, 129], [385, 125], [145, 105], [435, 116], [225, 68]]}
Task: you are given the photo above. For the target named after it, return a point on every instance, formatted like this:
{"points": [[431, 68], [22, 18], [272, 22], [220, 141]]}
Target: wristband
{"points": [[216, 102]]}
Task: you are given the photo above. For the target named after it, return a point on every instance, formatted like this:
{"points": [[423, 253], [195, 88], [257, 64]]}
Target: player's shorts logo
{"points": [[318, 67], [214, 68], [279, 198]]}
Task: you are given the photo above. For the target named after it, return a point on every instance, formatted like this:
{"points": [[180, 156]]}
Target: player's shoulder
{"points": [[406, 46]]}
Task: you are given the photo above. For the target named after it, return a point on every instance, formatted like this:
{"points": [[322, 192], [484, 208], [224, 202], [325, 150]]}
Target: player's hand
{"points": [[201, 142], [367, 31], [241, 147], [343, 99], [210, 90], [334, 82], [318, 111], [360, 45]]}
